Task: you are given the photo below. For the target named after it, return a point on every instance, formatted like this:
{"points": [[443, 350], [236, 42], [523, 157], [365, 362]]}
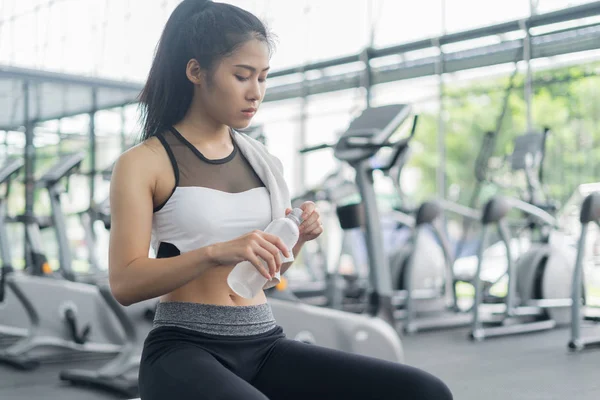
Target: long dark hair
{"points": [[197, 29]]}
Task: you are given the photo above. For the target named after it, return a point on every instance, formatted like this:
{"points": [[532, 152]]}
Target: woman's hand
{"points": [[251, 247], [311, 226]]}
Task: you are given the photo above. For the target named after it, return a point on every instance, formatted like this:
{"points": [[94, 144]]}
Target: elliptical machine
{"points": [[538, 295], [538, 291], [422, 269]]}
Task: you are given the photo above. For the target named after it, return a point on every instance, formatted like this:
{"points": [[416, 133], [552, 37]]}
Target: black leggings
{"points": [[179, 363]]}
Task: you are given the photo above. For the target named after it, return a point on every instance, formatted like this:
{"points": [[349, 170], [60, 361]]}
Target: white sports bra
{"points": [[212, 201]]}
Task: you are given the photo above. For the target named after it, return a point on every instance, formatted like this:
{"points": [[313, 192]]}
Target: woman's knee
{"points": [[429, 387], [439, 390]]}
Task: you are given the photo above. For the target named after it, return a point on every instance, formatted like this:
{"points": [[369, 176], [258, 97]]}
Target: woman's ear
{"points": [[194, 72]]}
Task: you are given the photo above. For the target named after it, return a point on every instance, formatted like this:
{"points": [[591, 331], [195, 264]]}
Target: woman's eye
{"points": [[241, 78]]}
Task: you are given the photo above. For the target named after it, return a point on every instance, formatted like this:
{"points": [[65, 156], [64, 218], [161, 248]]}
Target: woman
{"points": [[199, 193]]}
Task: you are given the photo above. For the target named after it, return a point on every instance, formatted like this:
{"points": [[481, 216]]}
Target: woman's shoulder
{"points": [[144, 158]]}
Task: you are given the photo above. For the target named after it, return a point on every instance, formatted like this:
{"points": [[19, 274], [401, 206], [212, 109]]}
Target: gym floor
{"points": [[535, 366]]}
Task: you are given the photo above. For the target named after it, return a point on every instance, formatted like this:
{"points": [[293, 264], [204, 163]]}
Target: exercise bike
{"points": [[120, 373], [65, 320], [417, 252], [366, 135], [91, 323]]}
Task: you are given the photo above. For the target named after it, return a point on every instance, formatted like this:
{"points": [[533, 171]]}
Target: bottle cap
{"points": [[297, 214]]}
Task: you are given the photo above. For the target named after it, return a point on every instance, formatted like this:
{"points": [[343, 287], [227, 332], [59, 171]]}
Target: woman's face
{"points": [[234, 92]]}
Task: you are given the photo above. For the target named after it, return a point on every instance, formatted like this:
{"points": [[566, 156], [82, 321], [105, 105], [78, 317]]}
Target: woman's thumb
{"points": [[287, 211]]}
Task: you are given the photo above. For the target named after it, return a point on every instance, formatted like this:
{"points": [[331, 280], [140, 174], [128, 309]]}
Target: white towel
{"points": [[270, 170]]}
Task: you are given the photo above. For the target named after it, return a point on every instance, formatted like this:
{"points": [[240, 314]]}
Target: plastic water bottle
{"points": [[245, 280]]}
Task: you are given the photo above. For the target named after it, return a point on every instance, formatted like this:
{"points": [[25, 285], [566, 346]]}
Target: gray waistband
{"points": [[216, 319]]}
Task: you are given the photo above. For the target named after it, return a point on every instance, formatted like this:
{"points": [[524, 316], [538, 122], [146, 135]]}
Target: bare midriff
{"points": [[212, 288]]}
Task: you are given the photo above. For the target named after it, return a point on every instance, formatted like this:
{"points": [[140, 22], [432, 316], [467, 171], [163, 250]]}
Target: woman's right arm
{"points": [[133, 275]]}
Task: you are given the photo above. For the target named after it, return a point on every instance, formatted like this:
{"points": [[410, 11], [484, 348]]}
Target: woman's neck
{"points": [[200, 130]]}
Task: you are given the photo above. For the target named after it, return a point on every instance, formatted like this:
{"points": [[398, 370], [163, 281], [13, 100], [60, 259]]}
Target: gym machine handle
{"points": [[310, 149], [401, 146], [10, 168], [358, 142], [69, 164], [77, 335], [536, 212], [466, 212], [351, 141], [362, 139]]}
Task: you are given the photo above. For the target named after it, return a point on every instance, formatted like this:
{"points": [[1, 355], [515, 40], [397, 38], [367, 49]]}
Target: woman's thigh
{"points": [[298, 370], [188, 372]]}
